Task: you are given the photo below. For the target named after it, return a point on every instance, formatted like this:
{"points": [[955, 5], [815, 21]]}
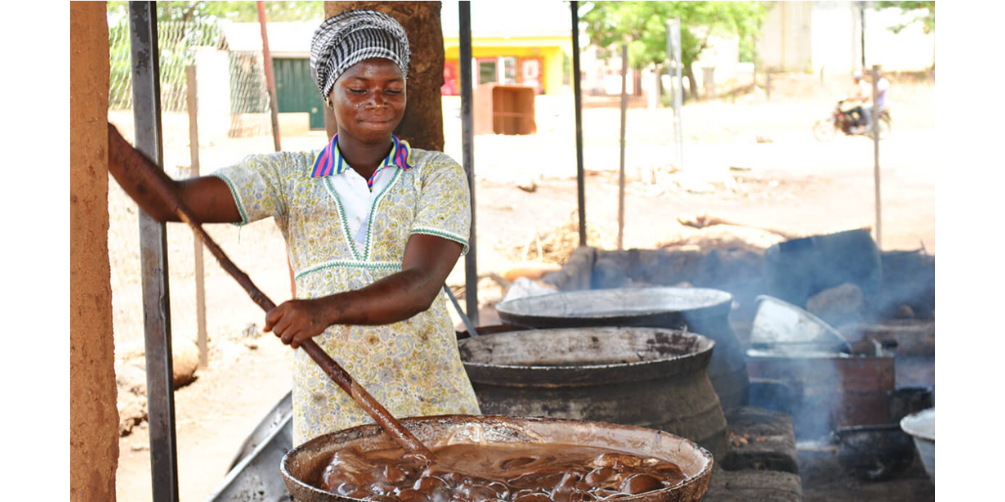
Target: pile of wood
{"points": [[727, 237], [718, 233]]}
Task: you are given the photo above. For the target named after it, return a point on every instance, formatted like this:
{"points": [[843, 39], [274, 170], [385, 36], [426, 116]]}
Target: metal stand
{"points": [[676, 85], [153, 257], [468, 147]]}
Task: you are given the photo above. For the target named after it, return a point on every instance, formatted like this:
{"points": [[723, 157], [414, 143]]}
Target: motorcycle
{"points": [[848, 120]]}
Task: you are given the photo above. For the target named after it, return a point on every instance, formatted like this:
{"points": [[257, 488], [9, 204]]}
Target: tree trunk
{"points": [[422, 125], [689, 73]]}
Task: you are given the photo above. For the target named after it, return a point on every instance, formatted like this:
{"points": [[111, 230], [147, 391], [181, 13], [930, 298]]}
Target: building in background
{"points": [[300, 105], [512, 43], [810, 36]]}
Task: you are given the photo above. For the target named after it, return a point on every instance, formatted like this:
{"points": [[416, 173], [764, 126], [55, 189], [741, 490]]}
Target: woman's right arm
{"points": [[208, 197]]}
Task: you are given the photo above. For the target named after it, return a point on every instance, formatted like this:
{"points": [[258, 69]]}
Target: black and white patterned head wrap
{"points": [[353, 36]]}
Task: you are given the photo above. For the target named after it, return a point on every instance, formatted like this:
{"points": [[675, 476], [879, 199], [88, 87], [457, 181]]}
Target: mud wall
{"points": [[908, 277], [94, 439]]}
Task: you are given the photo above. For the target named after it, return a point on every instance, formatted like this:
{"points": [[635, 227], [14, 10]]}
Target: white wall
{"points": [[786, 37], [723, 54], [835, 38], [800, 36], [213, 76]]}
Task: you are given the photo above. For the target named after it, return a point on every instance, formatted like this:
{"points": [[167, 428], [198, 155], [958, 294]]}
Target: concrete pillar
{"points": [[94, 419]]}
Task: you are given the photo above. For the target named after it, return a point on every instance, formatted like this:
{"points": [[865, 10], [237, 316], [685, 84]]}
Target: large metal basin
{"points": [[698, 310], [306, 461], [646, 377]]}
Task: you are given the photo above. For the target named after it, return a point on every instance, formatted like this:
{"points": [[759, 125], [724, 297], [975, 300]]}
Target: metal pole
{"points": [[468, 149], [153, 257], [875, 142], [673, 51], [861, 11], [621, 175], [200, 286], [270, 78], [577, 91]]}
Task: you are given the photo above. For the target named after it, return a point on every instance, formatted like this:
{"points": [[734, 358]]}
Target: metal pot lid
{"points": [[603, 303], [583, 356]]}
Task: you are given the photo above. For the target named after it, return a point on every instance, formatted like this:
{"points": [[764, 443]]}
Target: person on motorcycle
{"points": [[866, 111]]}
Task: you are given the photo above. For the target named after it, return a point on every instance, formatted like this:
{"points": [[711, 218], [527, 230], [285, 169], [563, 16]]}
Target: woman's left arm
{"points": [[426, 263]]}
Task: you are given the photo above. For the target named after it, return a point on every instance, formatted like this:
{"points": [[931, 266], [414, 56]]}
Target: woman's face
{"points": [[369, 100]]}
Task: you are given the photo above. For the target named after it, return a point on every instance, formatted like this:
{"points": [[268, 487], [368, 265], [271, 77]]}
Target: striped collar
{"points": [[330, 162]]}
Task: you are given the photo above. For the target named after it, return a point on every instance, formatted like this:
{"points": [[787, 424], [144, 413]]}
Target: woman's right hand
{"points": [[296, 321]]}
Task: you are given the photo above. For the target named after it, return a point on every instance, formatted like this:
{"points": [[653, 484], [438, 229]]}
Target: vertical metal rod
{"points": [[673, 50], [577, 91], [875, 142], [621, 175], [270, 78], [153, 257], [200, 286], [468, 148], [861, 11]]}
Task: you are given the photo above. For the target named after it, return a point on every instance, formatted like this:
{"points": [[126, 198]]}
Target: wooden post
{"points": [[875, 142], [767, 84], [200, 286], [270, 78], [621, 175]]}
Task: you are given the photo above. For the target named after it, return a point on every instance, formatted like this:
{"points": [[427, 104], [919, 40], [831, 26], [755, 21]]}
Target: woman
{"points": [[373, 228]]}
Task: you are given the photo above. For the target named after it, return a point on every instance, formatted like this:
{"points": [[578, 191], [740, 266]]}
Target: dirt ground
{"points": [[788, 180]]}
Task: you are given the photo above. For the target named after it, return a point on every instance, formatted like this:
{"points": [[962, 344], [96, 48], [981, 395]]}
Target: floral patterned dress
{"points": [[412, 367]]}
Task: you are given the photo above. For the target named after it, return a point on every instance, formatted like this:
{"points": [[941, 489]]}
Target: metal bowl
{"points": [[304, 464], [874, 452], [921, 427], [781, 324]]}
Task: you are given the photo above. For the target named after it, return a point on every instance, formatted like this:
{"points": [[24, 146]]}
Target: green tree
{"points": [[643, 26], [927, 19]]}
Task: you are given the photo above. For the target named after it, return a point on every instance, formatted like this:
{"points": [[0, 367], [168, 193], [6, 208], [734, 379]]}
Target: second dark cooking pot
{"points": [[698, 310]]}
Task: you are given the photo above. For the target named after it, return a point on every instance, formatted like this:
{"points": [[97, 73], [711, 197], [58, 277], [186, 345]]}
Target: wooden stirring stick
{"points": [[128, 158]]}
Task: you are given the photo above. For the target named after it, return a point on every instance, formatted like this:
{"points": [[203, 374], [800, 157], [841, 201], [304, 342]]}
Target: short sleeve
{"points": [[257, 186], [444, 205]]}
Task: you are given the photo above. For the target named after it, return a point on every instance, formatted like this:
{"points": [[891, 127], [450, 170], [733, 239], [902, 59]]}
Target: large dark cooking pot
{"points": [[304, 464], [646, 377], [698, 310]]}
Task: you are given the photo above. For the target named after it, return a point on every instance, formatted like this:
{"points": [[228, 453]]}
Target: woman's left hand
{"points": [[297, 321]]}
